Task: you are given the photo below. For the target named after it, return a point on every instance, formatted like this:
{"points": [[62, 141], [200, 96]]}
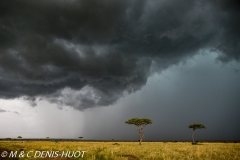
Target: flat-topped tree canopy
{"points": [[139, 121], [196, 126]]}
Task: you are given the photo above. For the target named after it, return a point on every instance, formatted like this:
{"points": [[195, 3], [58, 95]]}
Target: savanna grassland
{"points": [[130, 150]]}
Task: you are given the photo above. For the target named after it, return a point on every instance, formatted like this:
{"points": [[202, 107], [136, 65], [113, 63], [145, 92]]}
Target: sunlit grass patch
{"points": [[132, 150]]}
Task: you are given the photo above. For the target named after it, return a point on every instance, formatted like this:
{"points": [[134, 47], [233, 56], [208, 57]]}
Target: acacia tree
{"points": [[194, 127], [140, 123], [80, 137]]}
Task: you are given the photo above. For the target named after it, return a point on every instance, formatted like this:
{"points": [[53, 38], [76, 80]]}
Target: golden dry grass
{"points": [[132, 151]]}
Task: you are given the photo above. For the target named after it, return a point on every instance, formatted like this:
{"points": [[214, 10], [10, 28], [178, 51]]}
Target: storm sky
{"points": [[71, 68]]}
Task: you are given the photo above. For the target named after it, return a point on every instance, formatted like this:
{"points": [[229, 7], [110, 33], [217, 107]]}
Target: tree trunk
{"points": [[141, 137], [140, 134], [193, 136]]}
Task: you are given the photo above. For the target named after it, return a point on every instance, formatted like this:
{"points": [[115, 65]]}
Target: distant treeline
{"points": [[92, 140]]}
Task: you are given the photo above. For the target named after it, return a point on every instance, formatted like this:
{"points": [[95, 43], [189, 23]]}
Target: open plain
{"points": [[122, 150]]}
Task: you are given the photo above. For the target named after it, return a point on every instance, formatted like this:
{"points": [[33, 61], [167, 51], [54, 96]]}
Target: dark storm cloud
{"points": [[100, 49], [228, 18]]}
